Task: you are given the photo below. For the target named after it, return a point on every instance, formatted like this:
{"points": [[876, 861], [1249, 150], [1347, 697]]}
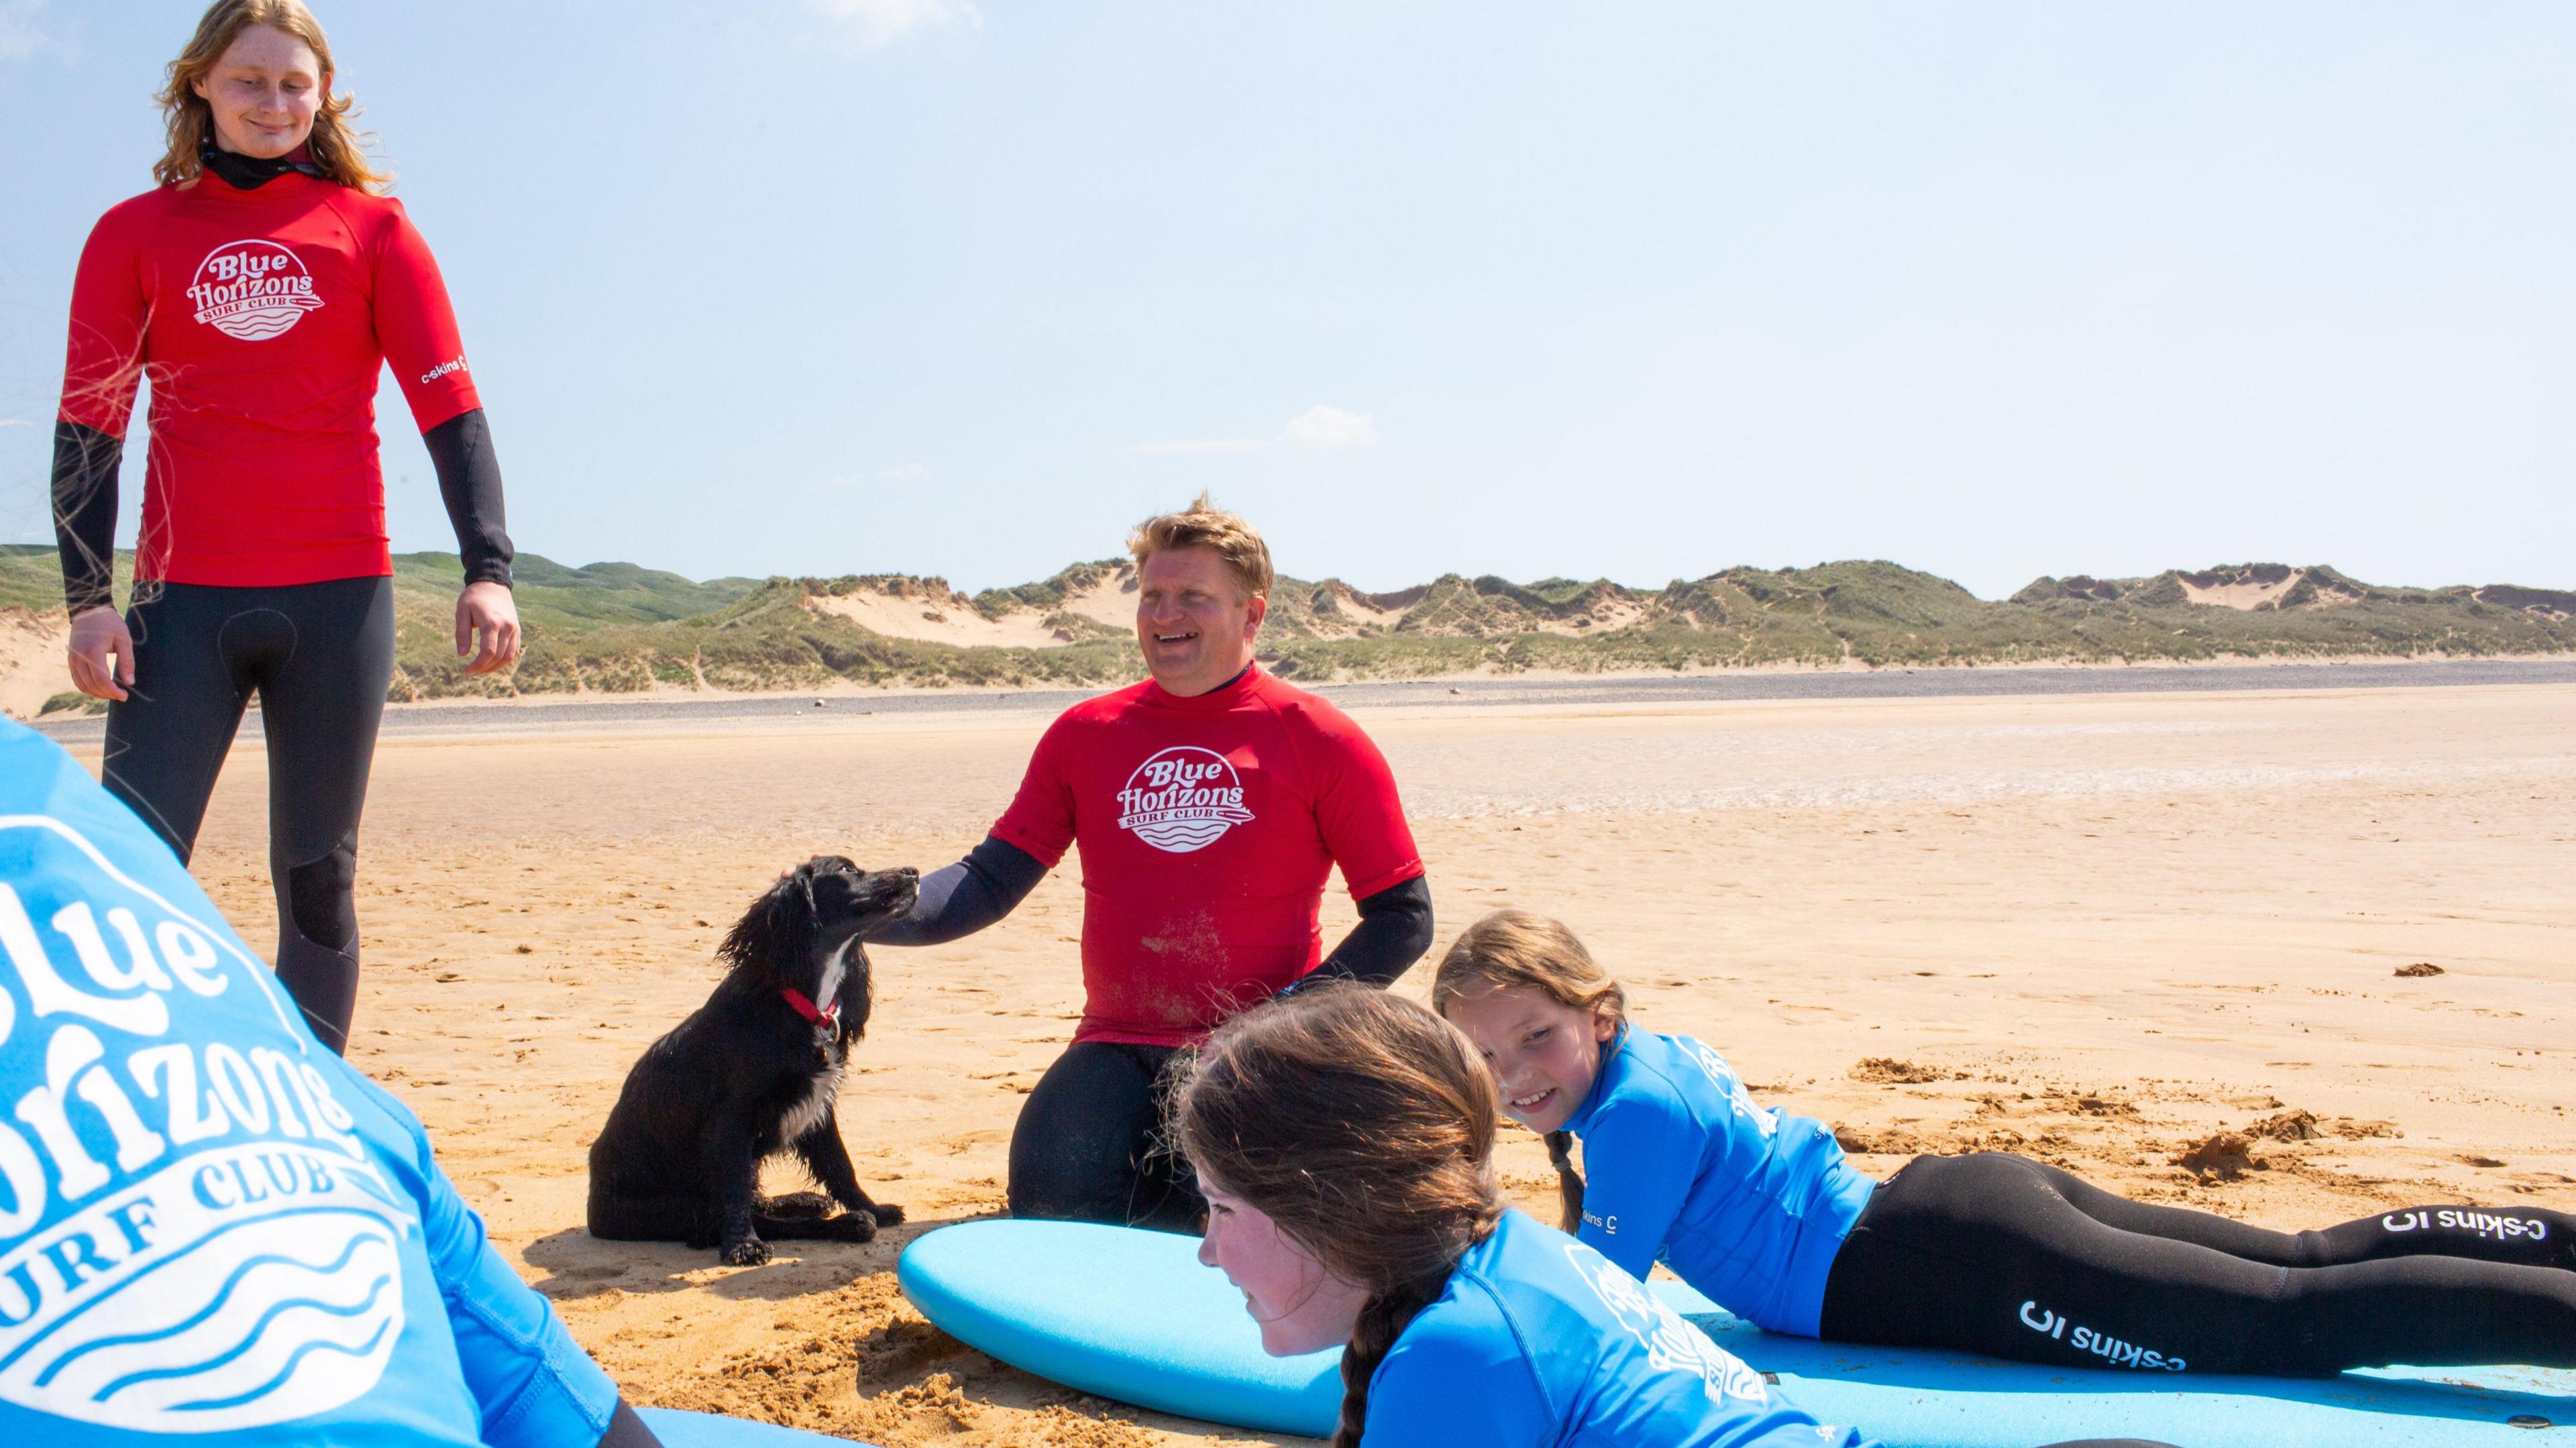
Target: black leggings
{"points": [[2003, 1255], [1089, 1144], [320, 655]]}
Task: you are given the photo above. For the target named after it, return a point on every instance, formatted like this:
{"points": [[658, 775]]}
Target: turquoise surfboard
{"points": [[1131, 1315], [680, 1429]]}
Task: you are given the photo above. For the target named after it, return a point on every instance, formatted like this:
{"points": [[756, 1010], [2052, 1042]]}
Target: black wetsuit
{"points": [[319, 655], [2008, 1256], [1088, 1145]]}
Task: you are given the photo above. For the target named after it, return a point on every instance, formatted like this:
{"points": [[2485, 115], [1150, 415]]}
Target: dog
{"points": [[754, 1073]]}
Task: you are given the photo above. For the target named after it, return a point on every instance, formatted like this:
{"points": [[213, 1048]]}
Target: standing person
{"points": [[1209, 802], [261, 287], [1987, 1252]]}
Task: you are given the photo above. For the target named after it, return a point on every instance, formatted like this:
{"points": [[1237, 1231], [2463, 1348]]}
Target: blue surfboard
{"points": [[1131, 1315]]}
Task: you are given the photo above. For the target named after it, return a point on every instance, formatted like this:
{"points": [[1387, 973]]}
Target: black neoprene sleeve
{"points": [[469, 480], [1393, 931], [85, 463], [960, 899]]}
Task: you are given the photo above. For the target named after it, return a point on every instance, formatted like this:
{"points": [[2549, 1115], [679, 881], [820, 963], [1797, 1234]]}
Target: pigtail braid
{"points": [[1382, 1321], [1569, 1182]]}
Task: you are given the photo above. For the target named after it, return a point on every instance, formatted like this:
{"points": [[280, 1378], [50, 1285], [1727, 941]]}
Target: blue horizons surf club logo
{"points": [[191, 1237], [252, 290], [1183, 799], [1672, 1345]]}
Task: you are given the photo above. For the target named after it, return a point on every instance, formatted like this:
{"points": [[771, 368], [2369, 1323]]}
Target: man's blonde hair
{"points": [[1205, 525]]}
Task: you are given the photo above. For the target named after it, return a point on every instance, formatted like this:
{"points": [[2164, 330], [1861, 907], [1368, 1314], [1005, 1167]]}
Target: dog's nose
{"points": [[909, 873]]}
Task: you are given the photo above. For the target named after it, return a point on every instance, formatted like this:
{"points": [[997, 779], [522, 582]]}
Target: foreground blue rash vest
{"points": [[1541, 1342], [1747, 1204], [210, 1227]]}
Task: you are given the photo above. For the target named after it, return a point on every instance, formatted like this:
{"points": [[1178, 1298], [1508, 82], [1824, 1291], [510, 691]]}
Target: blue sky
{"points": [[1635, 290]]}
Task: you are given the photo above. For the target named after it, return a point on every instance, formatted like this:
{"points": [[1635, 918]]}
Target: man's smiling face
{"points": [[1193, 620]]}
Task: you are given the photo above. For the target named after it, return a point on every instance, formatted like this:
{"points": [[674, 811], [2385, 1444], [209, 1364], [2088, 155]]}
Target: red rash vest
{"points": [[1207, 826], [262, 318]]}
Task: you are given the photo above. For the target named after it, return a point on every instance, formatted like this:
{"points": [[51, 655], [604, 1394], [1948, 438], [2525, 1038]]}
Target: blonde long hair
{"points": [[338, 148], [1364, 1125], [1524, 949]]}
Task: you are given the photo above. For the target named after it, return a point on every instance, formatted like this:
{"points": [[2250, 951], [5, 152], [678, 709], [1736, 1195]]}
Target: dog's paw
{"points": [[887, 1214], [850, 1227], [749, 1252]]}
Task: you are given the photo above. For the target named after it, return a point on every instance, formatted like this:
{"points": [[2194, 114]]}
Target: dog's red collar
{"points": [[828, 1017]]}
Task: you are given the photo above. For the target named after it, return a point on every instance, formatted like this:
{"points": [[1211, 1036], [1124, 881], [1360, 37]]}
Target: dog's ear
{"points": [[778, 927]]}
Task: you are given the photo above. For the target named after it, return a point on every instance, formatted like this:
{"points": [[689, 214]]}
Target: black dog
{"points": [[753, 1073]]}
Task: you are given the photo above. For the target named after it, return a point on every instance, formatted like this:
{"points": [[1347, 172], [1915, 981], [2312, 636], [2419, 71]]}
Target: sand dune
{"points": [[31, 660], [928, 610], [2104, 930]]}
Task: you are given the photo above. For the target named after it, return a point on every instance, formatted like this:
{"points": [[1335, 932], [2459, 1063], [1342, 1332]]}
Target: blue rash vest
{"points": [[1541, 1342], [212, 1229], [1747, 1204]]}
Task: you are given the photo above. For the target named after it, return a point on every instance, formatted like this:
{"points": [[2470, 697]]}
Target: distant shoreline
{"points": [[579, 713]]}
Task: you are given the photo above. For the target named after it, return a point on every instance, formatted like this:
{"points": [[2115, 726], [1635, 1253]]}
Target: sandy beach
{"points": [[2095, 928]]}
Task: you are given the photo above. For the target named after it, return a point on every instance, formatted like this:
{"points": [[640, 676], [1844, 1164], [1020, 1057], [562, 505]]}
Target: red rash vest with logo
{"points": [[262, 318], [1207, 827]]}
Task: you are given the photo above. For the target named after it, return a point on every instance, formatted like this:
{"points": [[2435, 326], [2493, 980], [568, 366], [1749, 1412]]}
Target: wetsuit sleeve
{"points": [[1462, 1381], [417, 328], [469, 481], [533, 1384], [1638, 1160], [1356, 807], [85, 463], [1040, 821], [1393, 931], [963, 898]]}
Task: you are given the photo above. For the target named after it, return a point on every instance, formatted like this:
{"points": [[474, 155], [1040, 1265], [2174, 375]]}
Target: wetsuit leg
{"points": [[1089, 1146], [166, 740], [321, 700], [2531, 1236], [1986, 1252]]}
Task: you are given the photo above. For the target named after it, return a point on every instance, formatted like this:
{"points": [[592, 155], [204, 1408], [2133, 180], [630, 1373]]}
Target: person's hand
{"points": [[97, 634], [487, 625]]}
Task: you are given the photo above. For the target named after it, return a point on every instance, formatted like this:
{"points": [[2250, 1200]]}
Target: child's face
{"points": [[1544, 1054], [1302, 1305]]}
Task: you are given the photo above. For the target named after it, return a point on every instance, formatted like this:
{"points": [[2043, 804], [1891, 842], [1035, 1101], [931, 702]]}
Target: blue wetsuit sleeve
{"points": [[1459, 1382], [532, 1383], [1640, 1158], [960, 899]]}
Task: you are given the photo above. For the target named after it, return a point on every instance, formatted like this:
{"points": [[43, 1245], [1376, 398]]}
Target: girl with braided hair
{"points": [[1344, 1138], [1987, 1252]]}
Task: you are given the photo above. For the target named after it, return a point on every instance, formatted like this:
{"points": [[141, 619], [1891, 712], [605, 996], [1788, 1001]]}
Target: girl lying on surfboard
{"points": [[1344, 1138], [1989, 1252]]}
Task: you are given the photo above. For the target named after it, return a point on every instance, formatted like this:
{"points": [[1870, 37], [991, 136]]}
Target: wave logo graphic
{"points": [[1671, 1344], [252, 290], [265, 1286], [1183, 799]]}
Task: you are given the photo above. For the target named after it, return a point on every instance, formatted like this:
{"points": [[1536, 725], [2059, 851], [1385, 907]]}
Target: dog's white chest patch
{"points": [[828, 989], [803, 1116]]}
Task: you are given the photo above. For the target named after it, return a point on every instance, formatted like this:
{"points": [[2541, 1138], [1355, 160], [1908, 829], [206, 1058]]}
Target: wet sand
{"points": [[2097, 928]]}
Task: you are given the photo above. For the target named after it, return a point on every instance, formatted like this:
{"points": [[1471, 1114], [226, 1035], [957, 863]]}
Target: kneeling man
{"points": [[1209, 802]]}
